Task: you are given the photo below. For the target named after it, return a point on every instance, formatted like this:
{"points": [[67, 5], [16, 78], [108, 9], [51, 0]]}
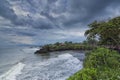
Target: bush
{"points": [[102, 57], [85, 74], [100, 64]]}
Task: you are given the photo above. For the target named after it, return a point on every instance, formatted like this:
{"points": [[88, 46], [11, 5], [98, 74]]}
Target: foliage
{"points": [[90, 41], [100, 64], [64, 46], [85, 74], [108, 32]]}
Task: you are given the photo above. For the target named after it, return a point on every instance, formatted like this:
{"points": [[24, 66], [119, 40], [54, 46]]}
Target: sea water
{"points": [[22, 64]]}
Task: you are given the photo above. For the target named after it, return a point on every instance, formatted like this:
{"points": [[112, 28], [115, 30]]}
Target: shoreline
{"points": [[37, 52], [65, 47]]}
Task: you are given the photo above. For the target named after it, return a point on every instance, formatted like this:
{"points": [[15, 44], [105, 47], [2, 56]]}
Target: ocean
{"points": [[20, 63]]}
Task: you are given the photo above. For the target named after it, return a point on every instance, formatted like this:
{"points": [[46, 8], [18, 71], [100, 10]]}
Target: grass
{"points": [[100, 64]]}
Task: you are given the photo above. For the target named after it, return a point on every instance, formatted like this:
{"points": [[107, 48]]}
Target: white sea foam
{"points": [[13, 72], [59, 68], [29, 50]]}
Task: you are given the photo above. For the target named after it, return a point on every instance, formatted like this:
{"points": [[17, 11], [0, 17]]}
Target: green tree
{"points": [[107, 32]]}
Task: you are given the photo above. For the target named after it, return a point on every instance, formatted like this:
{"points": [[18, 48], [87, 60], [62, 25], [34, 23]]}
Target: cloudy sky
{"points": [[35, 22]]}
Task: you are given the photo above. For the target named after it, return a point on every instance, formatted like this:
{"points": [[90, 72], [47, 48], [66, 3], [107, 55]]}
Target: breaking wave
{"points": [[58, 68], [13, 72]]}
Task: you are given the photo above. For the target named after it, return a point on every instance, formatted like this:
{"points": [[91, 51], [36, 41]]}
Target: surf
{"points": [[13, 72], [58, 68]]}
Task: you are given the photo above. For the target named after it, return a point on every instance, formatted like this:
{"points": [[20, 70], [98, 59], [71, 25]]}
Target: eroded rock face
{"points": [[41, 51]]}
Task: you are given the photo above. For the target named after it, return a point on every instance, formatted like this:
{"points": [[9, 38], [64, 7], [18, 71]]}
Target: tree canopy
{"points": [[107, 32]]}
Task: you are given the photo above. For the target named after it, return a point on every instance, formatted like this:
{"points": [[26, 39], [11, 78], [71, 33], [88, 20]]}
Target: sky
{"points": [[38, 22]]}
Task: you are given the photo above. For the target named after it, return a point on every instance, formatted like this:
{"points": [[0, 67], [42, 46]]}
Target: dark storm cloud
{"points": [[6, 11], [51, 20], [14, 32], [37, 24], [79, 11], [86, 10], [25, 33]]}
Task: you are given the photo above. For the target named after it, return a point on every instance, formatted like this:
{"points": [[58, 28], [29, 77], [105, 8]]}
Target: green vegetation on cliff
{"points": [[100, 64], [65, 46]]}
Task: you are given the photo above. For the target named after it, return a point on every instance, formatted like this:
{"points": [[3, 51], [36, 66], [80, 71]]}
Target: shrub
{"points": [[100, 64], [85, 74]]}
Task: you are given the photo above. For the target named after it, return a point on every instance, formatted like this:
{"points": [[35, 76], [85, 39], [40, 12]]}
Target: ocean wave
{"points": [[58, 68], [13, 72]]}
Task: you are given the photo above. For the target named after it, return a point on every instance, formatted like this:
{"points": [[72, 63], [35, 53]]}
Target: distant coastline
{"points": [[63, 47]]}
